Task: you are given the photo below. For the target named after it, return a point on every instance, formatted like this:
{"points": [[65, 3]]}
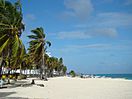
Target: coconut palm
{"points": [[11, 28], [64, 70], [37, 48]]}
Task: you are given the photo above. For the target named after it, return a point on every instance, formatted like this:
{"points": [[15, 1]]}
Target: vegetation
{"points": [[37, 48], [72, 73], [13, 54], [11, 28]]}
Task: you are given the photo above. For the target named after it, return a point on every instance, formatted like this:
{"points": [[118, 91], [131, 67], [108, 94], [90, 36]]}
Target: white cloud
{"points": [[78, 8], [106, 32], [97, 47], [128, 2], [49, 54], [108, 20], [114, 19], [31, 16], [101, 25], [107, 1], [78, 48], [106, 24], [89, 33], [73, 35], [90, 46]]}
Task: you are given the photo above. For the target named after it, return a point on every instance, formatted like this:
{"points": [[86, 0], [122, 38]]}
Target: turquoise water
{"points": [[124, 76]]}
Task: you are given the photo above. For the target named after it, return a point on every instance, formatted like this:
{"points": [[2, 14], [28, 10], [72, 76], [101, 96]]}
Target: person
{"points": [[33, 82], [1, 83]]}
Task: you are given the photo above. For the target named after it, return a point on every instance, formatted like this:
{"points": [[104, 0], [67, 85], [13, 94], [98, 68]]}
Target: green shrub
{"points": [[21, 77], [72, 73]]}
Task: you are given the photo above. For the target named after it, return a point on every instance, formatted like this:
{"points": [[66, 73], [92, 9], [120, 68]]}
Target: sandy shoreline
{"points": [[73, 88]]}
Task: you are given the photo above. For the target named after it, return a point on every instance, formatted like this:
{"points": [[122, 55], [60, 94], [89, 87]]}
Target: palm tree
{"points": [[64, 70], [11, 28], [37, 48], [60, 66], [47, 62]]}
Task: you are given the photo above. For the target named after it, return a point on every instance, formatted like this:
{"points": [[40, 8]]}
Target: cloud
{"points": [[78, 8], [101, 47], [114, 19], [107, 1], [106, 24], [49, 54], [78, 48], [101, 25], [128, 2], [73, 35], [89, 33], [106, 32], [108, 20], [31, 16], [90, 46]]}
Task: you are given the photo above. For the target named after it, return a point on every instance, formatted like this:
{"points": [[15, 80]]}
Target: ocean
{"points": [[123, 76]]}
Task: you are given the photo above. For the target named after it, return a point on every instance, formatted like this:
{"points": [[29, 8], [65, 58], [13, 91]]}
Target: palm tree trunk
{"points": [[41, 73], [1, 64], [1, 61], [45, 74], [9, 61], [30, 71], [26, 70], [20, 69], [43, 69], [9, 71]]}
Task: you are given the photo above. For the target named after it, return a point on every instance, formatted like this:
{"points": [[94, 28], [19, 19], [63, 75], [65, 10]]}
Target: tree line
{"points": [[13, 54]]}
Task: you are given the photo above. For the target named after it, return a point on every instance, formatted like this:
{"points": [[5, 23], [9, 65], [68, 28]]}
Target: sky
{"points": [[92, 36]]}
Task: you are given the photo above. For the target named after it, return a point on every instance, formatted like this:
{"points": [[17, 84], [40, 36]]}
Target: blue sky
{"points": [[92, 36]]}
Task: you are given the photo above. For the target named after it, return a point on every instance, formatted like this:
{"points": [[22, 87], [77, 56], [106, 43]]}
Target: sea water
{"points": [[122, 76]]}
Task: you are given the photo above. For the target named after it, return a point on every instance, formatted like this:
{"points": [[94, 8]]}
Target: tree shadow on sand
{"points": [[13, 98], [4, 95]]}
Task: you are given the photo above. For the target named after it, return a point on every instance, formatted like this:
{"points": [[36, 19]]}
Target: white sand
{"points": [[74, 88]]}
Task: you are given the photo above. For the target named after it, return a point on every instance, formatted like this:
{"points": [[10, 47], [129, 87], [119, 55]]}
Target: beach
{"points": [[72, 88]]}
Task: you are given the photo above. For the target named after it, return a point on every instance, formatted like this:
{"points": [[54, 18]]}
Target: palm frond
{"points": [[15, 46], [39, 32], [32, 37], [1, 38], [4, 45], [49, 43]]}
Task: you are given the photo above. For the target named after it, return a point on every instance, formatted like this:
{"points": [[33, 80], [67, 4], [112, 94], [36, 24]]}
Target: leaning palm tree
{"points": [[11, 28], [37, 49]]}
